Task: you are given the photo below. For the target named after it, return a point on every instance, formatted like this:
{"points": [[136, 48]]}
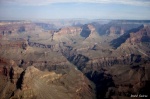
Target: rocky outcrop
{"points": [[141, 36], [42, 85], [120, 80], [66, 34], [134, 80], [39, 45], [69, 30], [32, 83], [15, 73], [122, 39], [79, 60]]}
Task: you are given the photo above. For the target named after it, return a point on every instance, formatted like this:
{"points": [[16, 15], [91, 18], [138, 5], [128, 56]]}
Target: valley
{"points": [[74, 59]]}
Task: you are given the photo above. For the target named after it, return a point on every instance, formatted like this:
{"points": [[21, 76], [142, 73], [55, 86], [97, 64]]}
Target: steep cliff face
{"points": [[67, 34], [141, 36], [120, 76], [93, 36], [129, 80], [134, 36]]}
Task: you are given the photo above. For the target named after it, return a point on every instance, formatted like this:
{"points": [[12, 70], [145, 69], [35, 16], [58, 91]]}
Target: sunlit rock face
{"points": [[141, 36], [33, 83]]}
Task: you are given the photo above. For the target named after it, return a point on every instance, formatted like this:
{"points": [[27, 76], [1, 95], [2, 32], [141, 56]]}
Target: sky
{"points": [[68, 9]]}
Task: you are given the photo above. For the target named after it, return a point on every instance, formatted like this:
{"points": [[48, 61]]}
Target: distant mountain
{"points": [[114, 28], [47, 26]]}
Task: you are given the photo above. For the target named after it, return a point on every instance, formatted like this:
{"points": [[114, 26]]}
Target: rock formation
{"points": [[51, 60]]}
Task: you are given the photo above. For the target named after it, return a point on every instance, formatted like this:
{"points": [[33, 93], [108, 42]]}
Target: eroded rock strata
{"points": [[86, 61]]}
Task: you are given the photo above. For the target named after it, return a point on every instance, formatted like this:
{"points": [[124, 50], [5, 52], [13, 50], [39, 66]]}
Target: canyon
{"points": [[75, 60]]}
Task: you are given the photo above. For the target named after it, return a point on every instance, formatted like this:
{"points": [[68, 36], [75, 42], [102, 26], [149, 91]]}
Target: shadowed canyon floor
{"points": [[91, 60]]}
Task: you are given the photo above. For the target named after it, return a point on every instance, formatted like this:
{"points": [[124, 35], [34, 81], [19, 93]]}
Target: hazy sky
{"points": [[62, 9]]}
